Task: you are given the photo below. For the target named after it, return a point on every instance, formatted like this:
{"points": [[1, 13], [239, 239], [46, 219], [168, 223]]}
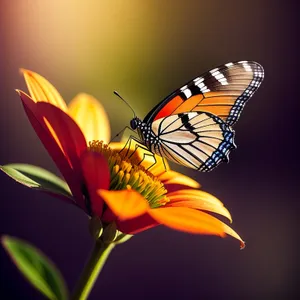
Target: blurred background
{"points": [[145, 50]]}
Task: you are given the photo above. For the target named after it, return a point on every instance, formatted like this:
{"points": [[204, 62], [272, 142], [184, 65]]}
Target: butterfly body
{"points": [[193, 125], [146, 134]]}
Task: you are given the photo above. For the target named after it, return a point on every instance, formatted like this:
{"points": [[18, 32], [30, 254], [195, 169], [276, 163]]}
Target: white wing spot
{"points": [[213, 70], [215, 73], [192, 115], [187, 93], [183, 88], [247, 67], [203, 88], [201, 85], [220, 77], [198, 80], [223, 81]]}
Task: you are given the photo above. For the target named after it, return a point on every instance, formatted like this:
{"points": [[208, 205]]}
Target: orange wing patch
{"points": [[189, 104], [221, 111], [169, 108], [212, 102], [226, 100]]}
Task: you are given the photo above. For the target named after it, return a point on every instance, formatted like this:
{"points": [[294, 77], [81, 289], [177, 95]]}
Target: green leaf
{"points": [[37, 268], [37, 178]]}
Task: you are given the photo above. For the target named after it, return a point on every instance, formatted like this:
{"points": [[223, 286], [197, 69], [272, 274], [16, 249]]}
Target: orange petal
{"points": [[97, 176], [125, 204], [41, 89], [91, 117], [192, 221], [172, 177], [187, 220], [198, 200]]}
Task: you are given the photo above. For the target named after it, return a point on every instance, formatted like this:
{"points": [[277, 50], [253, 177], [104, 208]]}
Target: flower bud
{"points": [[110, 233], [95, 227]]}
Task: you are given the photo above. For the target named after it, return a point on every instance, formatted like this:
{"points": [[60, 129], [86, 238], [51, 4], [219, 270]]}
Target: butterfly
{"points": [[193, 125]]}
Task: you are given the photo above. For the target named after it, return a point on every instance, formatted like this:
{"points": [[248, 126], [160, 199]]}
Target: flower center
{"points": [[125, 172]]}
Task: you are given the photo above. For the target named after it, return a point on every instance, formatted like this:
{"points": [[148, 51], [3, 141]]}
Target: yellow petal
{"points": [[161, 165], [41, 89], [172, 177], [198, 194], [197, 200], [228, 230], [125, 204], [91, 117], [118, 146]]}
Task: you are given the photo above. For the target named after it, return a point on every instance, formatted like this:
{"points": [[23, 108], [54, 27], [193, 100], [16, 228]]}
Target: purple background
{"points": [[146, 50]]}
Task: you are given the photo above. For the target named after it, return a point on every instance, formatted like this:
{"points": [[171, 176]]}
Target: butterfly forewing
{"points": [[222, 91]]}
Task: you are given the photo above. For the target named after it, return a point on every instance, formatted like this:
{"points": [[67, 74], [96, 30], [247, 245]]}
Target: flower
{"points": [[115, 183]]}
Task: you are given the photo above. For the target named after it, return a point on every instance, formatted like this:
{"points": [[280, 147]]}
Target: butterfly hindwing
{"points": [[222, 92], [195, 139]]}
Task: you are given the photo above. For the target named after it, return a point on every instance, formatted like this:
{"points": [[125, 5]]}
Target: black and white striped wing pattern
{"points": [[222, 91], [197, 140]]}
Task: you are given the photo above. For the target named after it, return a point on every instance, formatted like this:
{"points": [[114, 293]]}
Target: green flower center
{"points": [[124, 173]]}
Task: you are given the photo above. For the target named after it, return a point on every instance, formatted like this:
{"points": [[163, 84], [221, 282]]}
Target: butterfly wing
{"points": [[196, 140], [222, 92], [193, 124]]}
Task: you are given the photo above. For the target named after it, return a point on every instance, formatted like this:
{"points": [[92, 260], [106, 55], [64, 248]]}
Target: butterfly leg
{"points": [[149, 154], [121, 132], [163, 159], [134, 144], [128, 145]]}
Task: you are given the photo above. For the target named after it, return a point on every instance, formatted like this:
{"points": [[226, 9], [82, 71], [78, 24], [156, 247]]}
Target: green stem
{"points": [[91, 270]]}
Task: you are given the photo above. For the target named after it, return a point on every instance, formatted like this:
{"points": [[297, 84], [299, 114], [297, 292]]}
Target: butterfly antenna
{"points": [[117, 94]]}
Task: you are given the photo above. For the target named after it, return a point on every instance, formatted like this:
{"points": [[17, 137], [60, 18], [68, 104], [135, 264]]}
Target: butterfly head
{"points": [[135, 123], [142, 129]]}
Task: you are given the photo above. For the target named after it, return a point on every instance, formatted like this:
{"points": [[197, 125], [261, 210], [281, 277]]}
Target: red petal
{"points": [[137, 225], [97, 176], [65, 132], [61, 137], [108, 216]]}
